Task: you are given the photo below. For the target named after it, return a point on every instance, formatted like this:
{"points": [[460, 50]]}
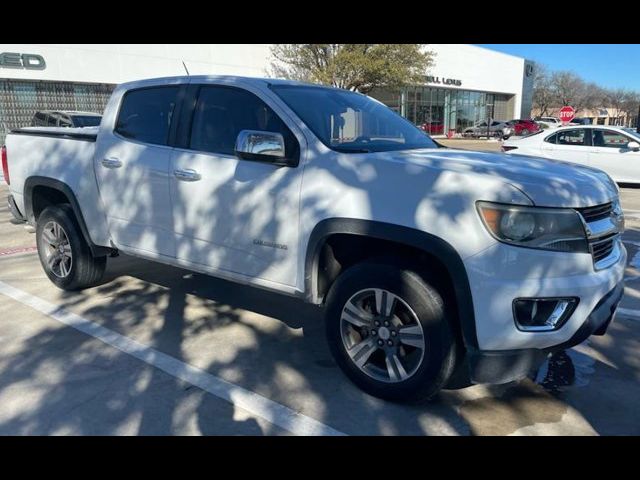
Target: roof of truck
{"points": [[230, 79]]}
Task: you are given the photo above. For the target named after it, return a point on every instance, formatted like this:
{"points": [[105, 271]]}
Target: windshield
{"points": [[86, 121], [351, 122], [633, 132]]}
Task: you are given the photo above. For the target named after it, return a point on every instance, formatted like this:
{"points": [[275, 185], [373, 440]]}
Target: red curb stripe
{"points": [[14, 251]]}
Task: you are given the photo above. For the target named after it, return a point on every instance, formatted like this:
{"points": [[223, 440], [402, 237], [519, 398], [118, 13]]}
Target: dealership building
{"points": [[465, 85]]}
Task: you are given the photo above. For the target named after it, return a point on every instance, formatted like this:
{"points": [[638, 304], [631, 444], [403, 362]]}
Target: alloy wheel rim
{"points": [[382, 335], [57, 249]]}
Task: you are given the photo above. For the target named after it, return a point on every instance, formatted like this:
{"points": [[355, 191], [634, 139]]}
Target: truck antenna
{"points": [[185, 68]]}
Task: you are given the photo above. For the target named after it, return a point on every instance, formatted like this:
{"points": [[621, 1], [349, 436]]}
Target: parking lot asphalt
{"points": [[157, 350]]}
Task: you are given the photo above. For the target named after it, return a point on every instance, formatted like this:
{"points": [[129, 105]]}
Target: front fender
{"points": [[426, 242]]}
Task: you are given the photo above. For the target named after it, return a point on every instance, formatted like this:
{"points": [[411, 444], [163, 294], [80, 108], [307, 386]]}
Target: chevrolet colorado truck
{"points": [[436, 267]]}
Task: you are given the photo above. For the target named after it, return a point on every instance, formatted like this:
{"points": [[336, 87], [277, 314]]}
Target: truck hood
{"points": [[548, 183]]}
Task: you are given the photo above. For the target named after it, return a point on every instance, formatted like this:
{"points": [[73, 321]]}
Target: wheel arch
{"points": [[54, 192], [412, 239]]}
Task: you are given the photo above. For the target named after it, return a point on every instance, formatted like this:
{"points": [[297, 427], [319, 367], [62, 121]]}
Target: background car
{"points": [[496, 129], [57, 118], [521, 127], [612, 149], [432, 128], [550, 121]]}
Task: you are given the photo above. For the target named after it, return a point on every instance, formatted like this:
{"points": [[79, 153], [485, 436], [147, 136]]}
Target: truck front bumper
{"points": [[503, 366], [499, 275]]}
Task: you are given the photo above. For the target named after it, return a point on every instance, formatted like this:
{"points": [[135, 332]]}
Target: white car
{"points": [[615, 150]]}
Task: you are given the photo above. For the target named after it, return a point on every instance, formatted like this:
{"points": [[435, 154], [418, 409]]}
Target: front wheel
{"points": [[64, 254], [389, 331]]}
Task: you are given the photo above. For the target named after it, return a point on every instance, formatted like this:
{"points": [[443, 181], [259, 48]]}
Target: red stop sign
{"points": [[567, 114]]}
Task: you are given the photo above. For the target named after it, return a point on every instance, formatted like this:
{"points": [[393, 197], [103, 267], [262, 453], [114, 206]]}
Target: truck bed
{"points": [[85, 133], [63, 155]]}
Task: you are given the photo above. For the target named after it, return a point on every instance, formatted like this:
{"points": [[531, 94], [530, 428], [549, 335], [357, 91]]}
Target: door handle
{"points": [[111, 163], [187, 175]]}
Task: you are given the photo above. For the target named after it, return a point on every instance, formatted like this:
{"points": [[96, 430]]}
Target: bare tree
{"points": [[358, 67], [630, 106], [568, 89], [616, 100], [557, 89], [595, 97], [543, 98]]}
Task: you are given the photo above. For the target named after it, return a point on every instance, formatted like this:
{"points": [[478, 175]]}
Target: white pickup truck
{"points": [[436, 267]]}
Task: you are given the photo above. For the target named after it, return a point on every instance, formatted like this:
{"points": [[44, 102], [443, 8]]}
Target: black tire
{"points": [[427, 303], [85, 270]]}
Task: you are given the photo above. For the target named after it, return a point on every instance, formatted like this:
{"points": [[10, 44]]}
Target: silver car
{"points": [[496, 129]]}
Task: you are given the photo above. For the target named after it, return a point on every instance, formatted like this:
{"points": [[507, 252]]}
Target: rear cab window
{"points": [[145, 114]]}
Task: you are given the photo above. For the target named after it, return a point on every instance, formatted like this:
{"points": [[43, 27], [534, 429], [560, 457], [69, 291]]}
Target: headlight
{"points": [[558, 229]]}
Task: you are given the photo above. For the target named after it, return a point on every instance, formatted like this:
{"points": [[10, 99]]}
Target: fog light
{"points": [[542, 314]]}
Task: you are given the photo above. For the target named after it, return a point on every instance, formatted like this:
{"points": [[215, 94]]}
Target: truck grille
{"points": [[593, 214], [602, 235], [601, 249]]}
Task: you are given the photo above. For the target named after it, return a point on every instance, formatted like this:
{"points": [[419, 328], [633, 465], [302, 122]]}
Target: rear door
{"points": [[132, 167], [610, 153], [569, 146]]}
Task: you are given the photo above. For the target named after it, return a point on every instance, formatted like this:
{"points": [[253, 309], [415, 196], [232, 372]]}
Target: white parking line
{"points": [[253, 403]]}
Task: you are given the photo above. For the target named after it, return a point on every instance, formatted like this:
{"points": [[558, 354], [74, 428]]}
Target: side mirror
{"points": [[262, 146], [635, 146]]}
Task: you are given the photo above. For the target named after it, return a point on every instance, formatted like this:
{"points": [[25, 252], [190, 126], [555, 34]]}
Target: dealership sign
{"points": [[444, 81], [26, 61]]}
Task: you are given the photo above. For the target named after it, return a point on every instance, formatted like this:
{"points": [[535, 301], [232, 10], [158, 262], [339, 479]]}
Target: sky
{"points": [[611, 66]]}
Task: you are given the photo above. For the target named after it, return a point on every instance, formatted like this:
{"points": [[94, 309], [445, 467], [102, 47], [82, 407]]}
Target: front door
{"points": [[610, 153], [132, 168], [232, 215]]}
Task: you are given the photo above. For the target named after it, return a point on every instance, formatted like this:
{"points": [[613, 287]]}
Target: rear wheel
{"points": [[64, 254], [388, 330]]}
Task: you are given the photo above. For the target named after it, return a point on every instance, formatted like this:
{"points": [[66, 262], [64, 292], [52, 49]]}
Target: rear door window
{"points": [[575, 137], [145, 114]]}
